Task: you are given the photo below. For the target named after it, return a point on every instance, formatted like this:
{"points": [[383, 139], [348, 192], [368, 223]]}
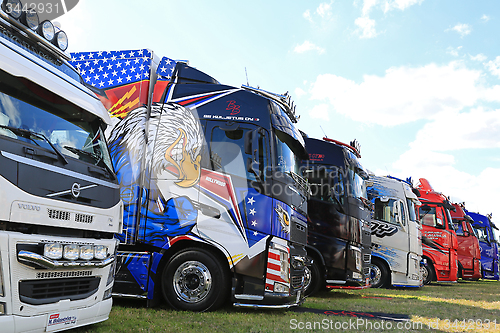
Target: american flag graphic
{"points": [[105, 69], [121, 78]]}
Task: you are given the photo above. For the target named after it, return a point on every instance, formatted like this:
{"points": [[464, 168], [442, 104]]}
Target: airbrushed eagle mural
{"points": [[176, 149]]}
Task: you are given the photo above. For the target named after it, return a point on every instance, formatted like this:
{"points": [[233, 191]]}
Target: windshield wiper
{"points": [[98, 159], [81, 152], [25, 133]]}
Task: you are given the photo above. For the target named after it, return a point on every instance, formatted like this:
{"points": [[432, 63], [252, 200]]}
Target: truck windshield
{"points": [[493, 235], [432, 216], [482, 234], [286, 159], [357, 187], [411, 210], [36, 116]]}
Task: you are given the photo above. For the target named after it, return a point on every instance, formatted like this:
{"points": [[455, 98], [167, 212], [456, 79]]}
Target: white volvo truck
{"points": [[59, 198], [396, 234]]}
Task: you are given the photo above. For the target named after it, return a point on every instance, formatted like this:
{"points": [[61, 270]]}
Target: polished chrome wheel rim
{"points": [[375, 275], [192, 281]]}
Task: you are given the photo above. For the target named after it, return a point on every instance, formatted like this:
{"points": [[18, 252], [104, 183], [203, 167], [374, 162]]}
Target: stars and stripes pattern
{"points": [[274, 273], [165, 69], [105, 69]]}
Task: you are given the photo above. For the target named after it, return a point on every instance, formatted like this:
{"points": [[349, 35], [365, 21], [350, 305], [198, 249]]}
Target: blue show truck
{"points": [[488, 242], [339, 235], [59, 198], [215, 208]]}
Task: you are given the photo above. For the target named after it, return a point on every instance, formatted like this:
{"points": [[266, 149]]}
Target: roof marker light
{"points": [[30, 19], [13, 8], [46, 30], [61, 40]]}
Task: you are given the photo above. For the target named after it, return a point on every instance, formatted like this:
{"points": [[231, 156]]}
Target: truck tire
{"points": [[314, 279], [428, 274], [194, 280], [379, 274]]}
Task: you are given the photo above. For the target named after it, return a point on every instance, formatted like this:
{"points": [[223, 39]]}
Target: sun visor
{"points": [[51, 79], [282, 123]]}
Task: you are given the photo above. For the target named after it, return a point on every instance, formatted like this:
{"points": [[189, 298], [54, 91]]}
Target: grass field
{"points": [[460, 307]]}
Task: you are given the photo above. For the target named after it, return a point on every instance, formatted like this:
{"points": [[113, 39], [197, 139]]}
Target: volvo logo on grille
{"points": [[75, 190], [28, 207]]}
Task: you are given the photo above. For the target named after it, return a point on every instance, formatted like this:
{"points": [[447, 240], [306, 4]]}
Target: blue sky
{"points": [[416, 82]]}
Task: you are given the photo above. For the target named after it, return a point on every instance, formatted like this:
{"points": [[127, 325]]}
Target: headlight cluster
{"points": [[29, 18], [73, 251]]}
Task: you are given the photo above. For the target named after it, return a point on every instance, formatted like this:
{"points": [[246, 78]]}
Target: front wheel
{"points": [[194, 280], [379, 274], [314, 280], [428, 275]]}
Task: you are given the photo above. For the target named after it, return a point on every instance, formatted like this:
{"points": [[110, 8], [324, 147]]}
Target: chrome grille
{"points": [[58, 214], [367, 258], [83, 218], [52, 275]]}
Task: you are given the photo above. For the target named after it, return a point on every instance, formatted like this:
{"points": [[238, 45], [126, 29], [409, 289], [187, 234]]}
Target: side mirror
{"points": [[252, 148], [425, 209]]}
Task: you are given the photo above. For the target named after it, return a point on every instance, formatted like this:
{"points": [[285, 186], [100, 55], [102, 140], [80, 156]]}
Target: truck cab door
{"points": [[172, 170], [234, 181]]}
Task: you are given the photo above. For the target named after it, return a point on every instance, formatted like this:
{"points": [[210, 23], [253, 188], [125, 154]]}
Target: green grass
{"points": [[443, 306]]}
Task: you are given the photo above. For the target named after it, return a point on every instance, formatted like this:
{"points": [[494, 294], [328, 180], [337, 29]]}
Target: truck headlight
{"points": [[357, 256], [53, 251], [71, 252], [1, 285], [100, 252], [86, 252]]}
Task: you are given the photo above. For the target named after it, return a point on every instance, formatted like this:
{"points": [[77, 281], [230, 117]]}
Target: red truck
{"points": [[439, 240], [469, 252]]}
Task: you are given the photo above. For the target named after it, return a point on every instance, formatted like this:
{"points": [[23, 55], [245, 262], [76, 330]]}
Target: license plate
{"points": [[60, 320]]}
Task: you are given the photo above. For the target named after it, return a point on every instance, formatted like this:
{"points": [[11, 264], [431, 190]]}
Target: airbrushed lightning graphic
{"points": [[119, 110]]}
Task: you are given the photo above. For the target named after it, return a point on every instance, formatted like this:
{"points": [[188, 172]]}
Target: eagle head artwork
{"points": [[174, 144]]}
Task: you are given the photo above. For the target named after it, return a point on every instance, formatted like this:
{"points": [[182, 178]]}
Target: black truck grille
{"points": [[39, 292], [296, 282]]}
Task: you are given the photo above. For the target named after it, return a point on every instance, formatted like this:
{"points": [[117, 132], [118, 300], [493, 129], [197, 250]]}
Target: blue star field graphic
{"points": [[107, 69]]}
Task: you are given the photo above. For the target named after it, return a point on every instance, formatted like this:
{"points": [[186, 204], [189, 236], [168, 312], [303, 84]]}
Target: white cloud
{"points": [[367, 26], [319, 112], [400, 4], [480, 192], [307, 16], [368, 5], [404, 94], [466, 130], [462, 29], [485, 18], [453, 51], [324, 9], [299, 92], [479, 57], [308, 46], [494, 66]]}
